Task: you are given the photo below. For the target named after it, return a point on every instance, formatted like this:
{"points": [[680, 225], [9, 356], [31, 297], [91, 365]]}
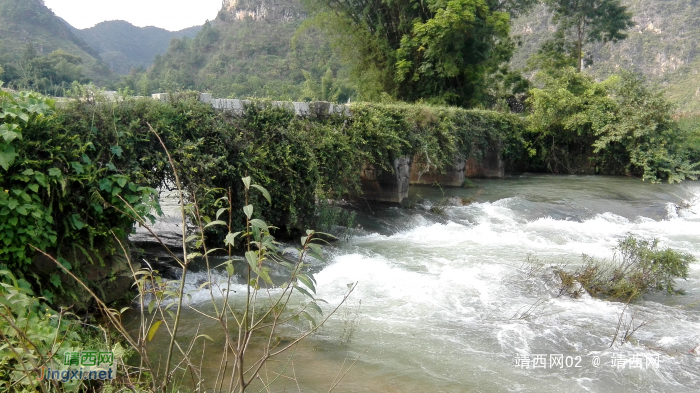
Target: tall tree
{"points": [[434, 50], [587, 21]]}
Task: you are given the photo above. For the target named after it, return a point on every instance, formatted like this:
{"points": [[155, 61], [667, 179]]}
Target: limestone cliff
{"points": [[264, 9]]}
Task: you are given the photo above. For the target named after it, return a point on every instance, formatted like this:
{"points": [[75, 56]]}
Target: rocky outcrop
{"points": [[282, 10]]}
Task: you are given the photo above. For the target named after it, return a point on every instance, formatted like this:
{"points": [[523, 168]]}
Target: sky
{"points": [[168, 14]]}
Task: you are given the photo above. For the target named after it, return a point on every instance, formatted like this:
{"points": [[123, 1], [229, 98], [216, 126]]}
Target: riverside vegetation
{"points": [[74, 177]]}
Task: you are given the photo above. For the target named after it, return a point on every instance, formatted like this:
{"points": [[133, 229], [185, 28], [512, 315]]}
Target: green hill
{"points": [[253, 48], [663, 46], [124, 46], [30, 22]]}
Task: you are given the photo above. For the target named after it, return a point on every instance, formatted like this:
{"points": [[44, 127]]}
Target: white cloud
{"points": [[168, 14]]}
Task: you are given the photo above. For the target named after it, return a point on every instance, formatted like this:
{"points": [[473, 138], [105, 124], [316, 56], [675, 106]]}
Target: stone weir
{"points": [[379, 184]]}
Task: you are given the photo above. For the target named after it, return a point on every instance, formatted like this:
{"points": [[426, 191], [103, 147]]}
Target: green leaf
{"points": [[33, 187], [28, 172], [304, 279], [252, 258], [248, 210], [205, 336], [121, 181], [65, 263], [40, 178], [77, 167], [154, 328], [21, 210], [264, 192], [229, 270], [303, 291], [309, 317], [54, 172], [231, 238], [111, 167], [151, 306], [259, 224], [246, 182], [55, 280], [315, 307], [116, 150], [220, 212], [86, 159], [7, 156], [193, 255], [8, 133], [75, 218], [211, 224], [105, 184]]}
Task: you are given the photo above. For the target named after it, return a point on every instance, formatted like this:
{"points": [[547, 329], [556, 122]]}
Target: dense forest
{"points": [[296, 50]]}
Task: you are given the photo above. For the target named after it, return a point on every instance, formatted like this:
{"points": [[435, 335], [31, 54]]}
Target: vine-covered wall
{"points": [[96, 158]]}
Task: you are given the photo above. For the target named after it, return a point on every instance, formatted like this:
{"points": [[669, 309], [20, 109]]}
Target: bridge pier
{"points": [[486, 164], [382, 185], [453, 175]]}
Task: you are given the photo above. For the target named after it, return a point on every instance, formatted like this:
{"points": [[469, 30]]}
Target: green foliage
{"points": [[639, 266], [60, 191], [586, 21], [31, 334], [619, 124], [660, 47], [294, 158], [439, 51], [52, 74], [249, 56], [124, 46], [46, 33]]}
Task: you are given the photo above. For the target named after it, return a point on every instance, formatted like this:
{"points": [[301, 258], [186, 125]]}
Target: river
{"points": [[445, 302]]}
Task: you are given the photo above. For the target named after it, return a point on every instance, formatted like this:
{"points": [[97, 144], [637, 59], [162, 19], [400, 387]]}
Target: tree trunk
{"points": [[580, 45]]}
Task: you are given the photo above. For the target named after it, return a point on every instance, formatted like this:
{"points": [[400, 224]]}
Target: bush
{"points": [[63, 192], [618, 126], [31, 334], [638, 266]]}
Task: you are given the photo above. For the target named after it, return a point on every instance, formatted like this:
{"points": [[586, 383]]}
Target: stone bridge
{"points": [[379, 184]]}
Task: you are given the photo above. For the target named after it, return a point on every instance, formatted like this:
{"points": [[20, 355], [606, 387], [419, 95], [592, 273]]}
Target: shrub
{"points": [[63, 192], [638, 266], [31, 334], [618, 126]]}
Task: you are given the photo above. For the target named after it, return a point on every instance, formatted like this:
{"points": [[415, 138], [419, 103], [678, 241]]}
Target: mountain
{"points": [[25, 22], [124, 46], [663, 46], [253, 48]]}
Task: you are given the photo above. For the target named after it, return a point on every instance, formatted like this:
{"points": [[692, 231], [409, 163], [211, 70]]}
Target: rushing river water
{"points": [[444, 302]]}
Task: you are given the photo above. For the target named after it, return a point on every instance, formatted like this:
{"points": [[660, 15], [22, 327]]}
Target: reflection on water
{"points": [[445, 306]]}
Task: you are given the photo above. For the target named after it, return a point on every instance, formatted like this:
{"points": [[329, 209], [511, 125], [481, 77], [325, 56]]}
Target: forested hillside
{"points": [[124, 46], [663, 46], [29, 34], [252, 48]]}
